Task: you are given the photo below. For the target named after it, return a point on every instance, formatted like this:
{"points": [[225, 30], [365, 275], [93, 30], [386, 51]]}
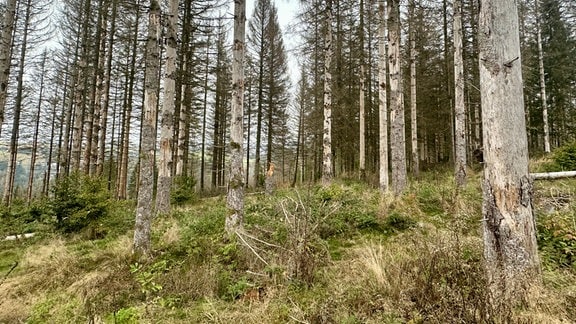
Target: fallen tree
{"points": [[552, 175]]}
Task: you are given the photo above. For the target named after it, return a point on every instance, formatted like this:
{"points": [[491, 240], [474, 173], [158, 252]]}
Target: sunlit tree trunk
{"points": [[6, 54], [327, 135], [459, 108], [142, 244], [235, 197], [167, 127], [382, 100], [510, 248]]}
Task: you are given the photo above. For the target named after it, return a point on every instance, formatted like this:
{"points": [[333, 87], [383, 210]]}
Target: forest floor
{"points": [[341, 254]]}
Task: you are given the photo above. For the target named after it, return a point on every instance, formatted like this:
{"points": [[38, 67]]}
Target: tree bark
{"points": [[510, 247], [327, 134], [413, 106], [397, 136], [362, 94], [6, 54], [142, 243], [459, 107], [235, 198], [382, 100], [167, 127]]}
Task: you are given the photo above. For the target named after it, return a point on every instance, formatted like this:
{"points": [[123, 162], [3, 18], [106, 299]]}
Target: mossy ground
{"points": [[341, 254]]}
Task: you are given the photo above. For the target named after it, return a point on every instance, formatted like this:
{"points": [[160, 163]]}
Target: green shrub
{"points": [[79, 201], [557, 240], [563, 159], [183, 190]]}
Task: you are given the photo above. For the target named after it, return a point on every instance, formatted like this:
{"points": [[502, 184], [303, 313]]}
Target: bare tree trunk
{"points": [[105, 95], [167, 128], [36, 129], [142, 243], [46, 186], [204, 113], [235, 198], [382, 100], [413, 111], [13, 149], [459, 107], [327, 135], [6, 54], [542, 80], [510, 247], [397, 136], [361, 99]]}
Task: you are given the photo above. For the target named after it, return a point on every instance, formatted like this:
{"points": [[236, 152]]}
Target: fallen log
{"points": [[19, 236], [552, 175]]}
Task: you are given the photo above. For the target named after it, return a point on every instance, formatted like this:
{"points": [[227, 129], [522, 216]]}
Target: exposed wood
{"points": [[327, 133], [510, 247], [382, 100]]}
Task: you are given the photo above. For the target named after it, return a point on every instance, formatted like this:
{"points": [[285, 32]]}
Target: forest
{"points": [[367, 161]]}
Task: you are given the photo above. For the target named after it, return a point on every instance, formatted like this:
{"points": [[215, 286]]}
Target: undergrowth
{"points": [[337, 254]]}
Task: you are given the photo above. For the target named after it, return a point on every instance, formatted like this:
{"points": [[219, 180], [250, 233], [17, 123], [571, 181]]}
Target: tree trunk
{"points": [[167, 127], [105, 95], [327, 134], [413, 112], [382, 100], [362, 94], [459, 108], [6, 54], [142, 243], [510, 246], [542, 80], [36, 129], [397, 136], [235, 198], [13, 149]]}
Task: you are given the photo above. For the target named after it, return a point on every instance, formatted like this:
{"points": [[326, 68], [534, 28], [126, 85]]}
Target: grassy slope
{"points": [[341, 254]]}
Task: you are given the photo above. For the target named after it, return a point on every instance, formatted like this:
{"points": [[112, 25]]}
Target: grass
{"points": [[342, 254]]}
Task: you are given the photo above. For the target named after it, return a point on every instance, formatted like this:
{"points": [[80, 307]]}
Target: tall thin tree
{"points": [[142, 243], [459, 107], [382, 100], [397, 135], [6, 53], [235, 198], [167, 127], [327, 135]]}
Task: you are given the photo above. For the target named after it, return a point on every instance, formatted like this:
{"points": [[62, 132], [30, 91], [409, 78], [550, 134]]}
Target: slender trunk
{"points": [[459, 107], [142, 239], [167, 128], [510, 247], [124, 145], [397, 136], [327, 173], [204, 112], [36, 129], [13, 149], [361, 99], [6, 54], [235, 197], [46, 186], [542, 81], [413, 111], [382, 100], [105, 98]]}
